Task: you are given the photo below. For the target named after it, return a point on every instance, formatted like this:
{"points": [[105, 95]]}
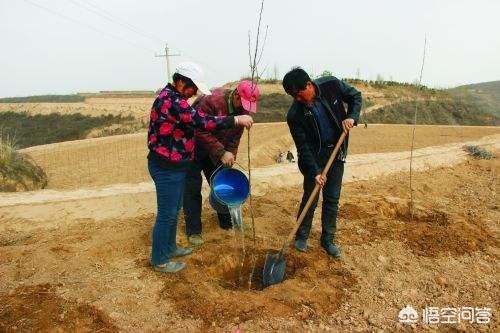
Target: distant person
{"points": [[171, 150], [316, 120], [277, 158], [215, 149], [280, 157], [289, 157]]}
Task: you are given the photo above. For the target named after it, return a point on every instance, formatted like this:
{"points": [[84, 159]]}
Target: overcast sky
{"points": [[67, 46]]}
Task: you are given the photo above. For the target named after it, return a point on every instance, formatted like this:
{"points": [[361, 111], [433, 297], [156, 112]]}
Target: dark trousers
{"points": [[331, 196], [193, 199]]}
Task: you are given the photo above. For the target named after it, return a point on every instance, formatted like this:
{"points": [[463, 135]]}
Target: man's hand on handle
{"points": [[320, 180], [347, 124], [227, 159], [243, 120]]}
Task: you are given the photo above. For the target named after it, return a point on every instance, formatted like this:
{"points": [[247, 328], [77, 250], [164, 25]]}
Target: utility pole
{"points": [[167, 56]]}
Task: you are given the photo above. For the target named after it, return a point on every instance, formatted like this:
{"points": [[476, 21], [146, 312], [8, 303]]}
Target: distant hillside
{"points": [[274, 103], [394, 103], [28, 129], [79, 97], [477, 104], [74, 98], [487, 93], [272, 108], [383, 102], [448, 111]]}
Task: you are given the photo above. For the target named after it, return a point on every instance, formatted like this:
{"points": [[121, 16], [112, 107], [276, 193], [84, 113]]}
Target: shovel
{"points": [[275, 264]]}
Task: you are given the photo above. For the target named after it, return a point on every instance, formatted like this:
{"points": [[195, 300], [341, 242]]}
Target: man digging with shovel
{"points": [[316, 119]]}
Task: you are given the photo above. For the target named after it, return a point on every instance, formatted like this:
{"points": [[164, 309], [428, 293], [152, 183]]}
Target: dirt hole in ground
{"points": [[237, 274], [39, 308], [211, 289]]}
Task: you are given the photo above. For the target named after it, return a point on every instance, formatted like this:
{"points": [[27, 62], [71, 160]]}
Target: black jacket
{"points": [[332, 93]]}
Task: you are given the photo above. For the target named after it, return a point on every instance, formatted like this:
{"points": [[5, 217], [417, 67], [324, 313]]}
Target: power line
{"points": [[93, 8], [69, 18], [154, 37]]}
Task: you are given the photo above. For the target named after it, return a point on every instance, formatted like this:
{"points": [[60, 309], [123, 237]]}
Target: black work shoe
{"points": [[195, 240], [301, 245], [332, 250]]}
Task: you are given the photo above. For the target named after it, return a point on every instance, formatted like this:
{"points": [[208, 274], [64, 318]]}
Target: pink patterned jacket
{"points": [[172, 128]]}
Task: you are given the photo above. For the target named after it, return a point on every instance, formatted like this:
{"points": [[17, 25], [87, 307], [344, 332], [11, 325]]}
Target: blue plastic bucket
{"points": [[229, 187]]}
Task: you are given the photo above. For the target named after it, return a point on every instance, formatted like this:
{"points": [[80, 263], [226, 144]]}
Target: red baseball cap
{"points": [[249, 93]]}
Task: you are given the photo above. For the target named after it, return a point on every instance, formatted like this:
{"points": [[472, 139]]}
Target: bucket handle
{"points": [[222, 166], [213, 174]]}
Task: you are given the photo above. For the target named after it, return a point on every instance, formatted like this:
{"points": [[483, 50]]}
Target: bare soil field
{"points": [[122, 158], [93, 106], [91, 274], [82, 264]]}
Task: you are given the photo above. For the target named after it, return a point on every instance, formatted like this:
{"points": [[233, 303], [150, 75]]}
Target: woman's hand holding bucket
{"points": [[227, 159]]}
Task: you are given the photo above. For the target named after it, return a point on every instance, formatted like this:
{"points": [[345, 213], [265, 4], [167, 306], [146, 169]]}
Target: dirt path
{"points": [[377, 106], [383, 104], [128, 200]]}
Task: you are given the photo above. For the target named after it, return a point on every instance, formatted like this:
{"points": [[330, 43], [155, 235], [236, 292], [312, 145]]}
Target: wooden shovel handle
{"points": [[315, 190]]}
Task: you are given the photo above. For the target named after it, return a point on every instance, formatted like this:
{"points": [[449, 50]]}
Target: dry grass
{"points": [[18, 171], [479, 152]]}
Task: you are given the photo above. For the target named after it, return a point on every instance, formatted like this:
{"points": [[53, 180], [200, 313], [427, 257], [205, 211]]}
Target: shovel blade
{"points": [[274, 269]]}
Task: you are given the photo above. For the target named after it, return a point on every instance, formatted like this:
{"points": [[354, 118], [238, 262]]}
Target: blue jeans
{"points": [[331, 196], [169, 191]]}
